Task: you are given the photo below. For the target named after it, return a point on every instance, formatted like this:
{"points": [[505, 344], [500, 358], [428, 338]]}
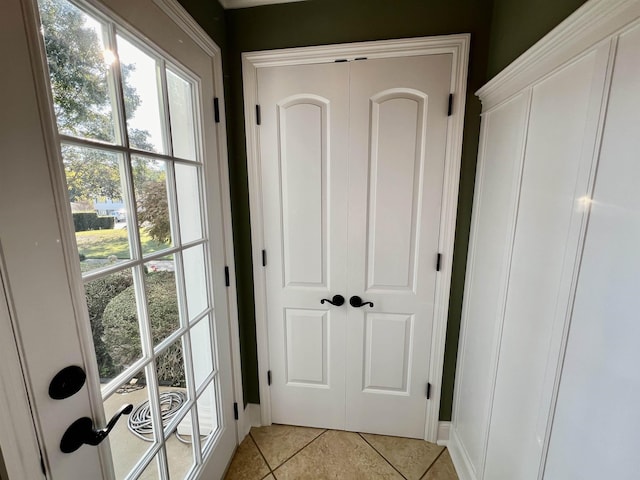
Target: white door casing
{"points": [[452, 54], [47, 296]]}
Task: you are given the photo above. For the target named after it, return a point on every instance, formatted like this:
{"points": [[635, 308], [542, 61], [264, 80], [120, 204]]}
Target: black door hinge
{"points": [[438, 262], [450, 110], [341, 60], [264, 258], [216, 109], [258, 116], [235, 410], [226, 277], [428, 391], [269, 377]]}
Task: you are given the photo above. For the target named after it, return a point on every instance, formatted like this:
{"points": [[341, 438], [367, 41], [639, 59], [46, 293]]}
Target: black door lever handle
{"points": [[357, 302], [337, 300], [81, 431]]}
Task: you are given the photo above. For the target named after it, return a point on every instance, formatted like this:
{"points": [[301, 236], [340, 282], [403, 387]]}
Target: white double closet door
{"points": [[352, 164]]}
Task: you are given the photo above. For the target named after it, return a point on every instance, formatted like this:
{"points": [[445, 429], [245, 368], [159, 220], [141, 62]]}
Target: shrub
{"points": [[83, 221], [121, 332], [98, 294]]}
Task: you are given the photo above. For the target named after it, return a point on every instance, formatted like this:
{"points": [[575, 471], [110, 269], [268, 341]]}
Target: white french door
{"points": [[352, 161], [128, 128]]}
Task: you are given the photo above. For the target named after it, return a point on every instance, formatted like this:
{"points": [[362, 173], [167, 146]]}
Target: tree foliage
{"points": [[153, 210], [78, 72], [83, 98]]}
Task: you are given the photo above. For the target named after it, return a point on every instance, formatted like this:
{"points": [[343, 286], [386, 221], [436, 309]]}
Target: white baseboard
{"points": [[443, 433], [253, 414], [459, 456], [249, 417]]}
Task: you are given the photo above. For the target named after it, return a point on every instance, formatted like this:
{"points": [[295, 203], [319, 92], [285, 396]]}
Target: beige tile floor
{"points": [[284, 452]]}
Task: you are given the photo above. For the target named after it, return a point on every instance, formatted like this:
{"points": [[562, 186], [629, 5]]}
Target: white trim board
{"points": [[444, 429], [251, 419], [185, 21], [459, 457], [18, 436], [588, 25], [456, 45]]}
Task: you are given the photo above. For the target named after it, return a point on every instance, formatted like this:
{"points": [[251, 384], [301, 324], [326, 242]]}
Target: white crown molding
{"points": [[349, 51], [186, 22], [587, 26], [229, 4]]}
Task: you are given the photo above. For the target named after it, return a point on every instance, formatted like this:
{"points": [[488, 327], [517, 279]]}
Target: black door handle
{"points": [[81, 431], [337, 300], [357, 302]]}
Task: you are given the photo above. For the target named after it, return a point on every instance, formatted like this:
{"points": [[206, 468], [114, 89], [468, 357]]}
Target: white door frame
{"points": [[18, 438], [17, 433], [458, 46]]}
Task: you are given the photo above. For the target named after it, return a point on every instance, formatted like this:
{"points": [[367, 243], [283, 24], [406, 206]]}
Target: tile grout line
{"points": [[433, 463], [299, 450], [262, 455], [383, 457], [290, 457]]}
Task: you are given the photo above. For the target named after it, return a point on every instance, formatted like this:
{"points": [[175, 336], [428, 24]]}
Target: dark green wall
{"points": [[514, 26], [211, 16], [518, 24]]}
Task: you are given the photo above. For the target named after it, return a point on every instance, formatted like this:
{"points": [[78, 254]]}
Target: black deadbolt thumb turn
{"points": [[337, 300], [357, 302], [81, 431]]}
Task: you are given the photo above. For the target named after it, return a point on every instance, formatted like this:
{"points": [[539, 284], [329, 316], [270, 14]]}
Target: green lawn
{"points": [[101, 244]]}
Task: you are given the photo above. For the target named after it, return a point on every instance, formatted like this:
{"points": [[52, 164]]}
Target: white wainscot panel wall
{"points": [[547, 377]]}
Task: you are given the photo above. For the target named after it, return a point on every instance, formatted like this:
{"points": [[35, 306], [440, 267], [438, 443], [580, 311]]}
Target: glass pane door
{"points": [[130, 135]]}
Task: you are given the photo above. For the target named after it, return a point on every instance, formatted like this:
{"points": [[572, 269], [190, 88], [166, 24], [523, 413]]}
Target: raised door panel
{"points": [[397, 140], [306, 347], [303, 161], [397, 143], [303, 137], [495, 203], [557, 165], [595, 431], [387, 353]]}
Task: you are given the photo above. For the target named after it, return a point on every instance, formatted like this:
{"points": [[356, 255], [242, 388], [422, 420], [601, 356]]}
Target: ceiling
{"points": [[252, 3]]}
